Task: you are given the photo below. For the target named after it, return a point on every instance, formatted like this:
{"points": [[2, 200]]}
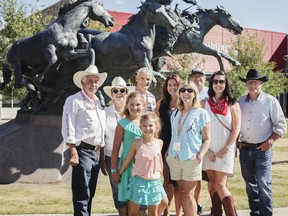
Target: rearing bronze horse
{"points": [[191, 40], [32, 57]]}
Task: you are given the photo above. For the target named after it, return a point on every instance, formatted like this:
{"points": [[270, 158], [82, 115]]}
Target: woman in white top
{"points": [[118, 92], [218, 162]]}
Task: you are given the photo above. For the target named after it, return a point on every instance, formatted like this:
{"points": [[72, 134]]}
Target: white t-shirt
{"points": [[112, 118], [203, 93]]}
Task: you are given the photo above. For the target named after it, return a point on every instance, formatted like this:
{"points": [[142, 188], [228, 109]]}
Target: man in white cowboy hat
{"points": [[262, 123], [83, 127], [118, 92]]}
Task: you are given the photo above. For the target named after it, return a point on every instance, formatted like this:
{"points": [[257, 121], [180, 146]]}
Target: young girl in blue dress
{"points": [[145, 186]]}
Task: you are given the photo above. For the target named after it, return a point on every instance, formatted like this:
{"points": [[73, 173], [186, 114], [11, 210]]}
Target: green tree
{"points": [[17, 20], [181, 65], [250, 53]]}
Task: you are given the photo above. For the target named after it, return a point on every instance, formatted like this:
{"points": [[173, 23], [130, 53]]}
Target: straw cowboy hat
{"points": [[91, 70], [119, 83], [253, 74]]}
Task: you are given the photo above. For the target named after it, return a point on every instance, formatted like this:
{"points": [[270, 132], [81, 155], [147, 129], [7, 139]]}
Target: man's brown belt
{"points": [[251, 145], [88, 146]]}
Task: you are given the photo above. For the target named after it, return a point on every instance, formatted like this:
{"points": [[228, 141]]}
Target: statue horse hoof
{"points": [[237, 63]]}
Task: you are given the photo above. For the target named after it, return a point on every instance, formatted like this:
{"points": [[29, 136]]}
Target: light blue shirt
{"points": [[261, 117], [190, 138]]}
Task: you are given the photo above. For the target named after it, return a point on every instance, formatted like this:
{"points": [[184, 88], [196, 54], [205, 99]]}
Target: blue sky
{"points": [[258, 14]]}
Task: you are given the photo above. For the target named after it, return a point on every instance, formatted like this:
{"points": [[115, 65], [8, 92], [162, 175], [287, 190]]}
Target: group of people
{"points": [[190, 134]]}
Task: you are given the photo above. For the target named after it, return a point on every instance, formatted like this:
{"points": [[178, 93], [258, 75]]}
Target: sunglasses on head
{"points": [[115, 91], [189, 90], [215, 82]]}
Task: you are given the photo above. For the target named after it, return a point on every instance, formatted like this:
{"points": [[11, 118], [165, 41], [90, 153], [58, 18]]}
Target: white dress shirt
{"points": [[83, 120]]}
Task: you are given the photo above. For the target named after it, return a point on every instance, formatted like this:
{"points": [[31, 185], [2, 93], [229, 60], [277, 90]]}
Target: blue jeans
{"points": [[84, 181], [256, 171], [118, 204]]}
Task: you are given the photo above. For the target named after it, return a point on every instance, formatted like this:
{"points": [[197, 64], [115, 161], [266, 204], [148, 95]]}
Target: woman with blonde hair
{"points": [[189, 143]]}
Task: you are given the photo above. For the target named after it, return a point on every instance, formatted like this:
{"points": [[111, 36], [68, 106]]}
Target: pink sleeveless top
{"points": [[148, 161]]}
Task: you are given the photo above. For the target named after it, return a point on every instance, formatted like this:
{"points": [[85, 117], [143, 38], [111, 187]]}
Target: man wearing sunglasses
{"points": [[262, 123]]}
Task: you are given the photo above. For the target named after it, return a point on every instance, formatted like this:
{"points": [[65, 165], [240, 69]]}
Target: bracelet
{"points": [[226, 148], [113, 170]]}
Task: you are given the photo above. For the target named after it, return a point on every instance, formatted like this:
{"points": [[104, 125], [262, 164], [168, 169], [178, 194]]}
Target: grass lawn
{"points": [[55, 198]]}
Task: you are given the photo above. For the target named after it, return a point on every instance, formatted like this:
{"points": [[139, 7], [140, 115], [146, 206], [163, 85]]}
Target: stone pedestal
{"points": [[32, 150]]}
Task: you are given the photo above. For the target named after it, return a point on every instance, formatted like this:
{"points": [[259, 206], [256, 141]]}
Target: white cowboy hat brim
{"points": [[107, 89], [90, 71]]}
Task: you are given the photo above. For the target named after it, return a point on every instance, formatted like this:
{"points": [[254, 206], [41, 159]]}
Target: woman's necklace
{"points": [[180, 126]]}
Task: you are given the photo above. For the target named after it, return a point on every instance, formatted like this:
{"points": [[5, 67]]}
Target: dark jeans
{"points": [[118, 204], [84, 181], [256, 171]]}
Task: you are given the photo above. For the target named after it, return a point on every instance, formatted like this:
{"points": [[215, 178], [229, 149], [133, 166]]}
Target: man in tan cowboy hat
{"points": [[262, 123], [83, 125], [118, 92]]}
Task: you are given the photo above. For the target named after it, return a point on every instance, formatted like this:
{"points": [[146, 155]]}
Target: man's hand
{"points": [[239, 145], [74, 158], [103, 166], [266, 145]]}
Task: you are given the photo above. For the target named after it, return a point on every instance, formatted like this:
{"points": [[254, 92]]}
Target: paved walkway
{"points": [[277, 212]]}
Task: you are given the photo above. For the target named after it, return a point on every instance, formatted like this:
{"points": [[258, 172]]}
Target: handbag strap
{"points": [[222, 122], [228, 130]]}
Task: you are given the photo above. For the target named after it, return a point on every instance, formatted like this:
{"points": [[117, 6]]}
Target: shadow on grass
{"points": [[280, 162]]}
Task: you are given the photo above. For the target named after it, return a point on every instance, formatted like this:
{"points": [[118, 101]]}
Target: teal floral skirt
{"points": [[145, 192]]}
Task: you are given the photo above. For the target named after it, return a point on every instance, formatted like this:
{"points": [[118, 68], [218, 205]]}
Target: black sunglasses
{"points": [[215, 81], [115, 91], [189, 90]]}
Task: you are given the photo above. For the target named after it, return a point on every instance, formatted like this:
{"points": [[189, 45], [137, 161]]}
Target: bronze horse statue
{"points": [[32, 57], [122, 53], [191, 39], [118, 53]]}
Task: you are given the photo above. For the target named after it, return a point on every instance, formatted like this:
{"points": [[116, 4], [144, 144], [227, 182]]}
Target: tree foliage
{"points": [[250, 53], [181, 65]]}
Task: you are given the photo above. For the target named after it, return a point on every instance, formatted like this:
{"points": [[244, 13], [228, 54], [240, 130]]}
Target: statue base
{"points": [[32, 150]]}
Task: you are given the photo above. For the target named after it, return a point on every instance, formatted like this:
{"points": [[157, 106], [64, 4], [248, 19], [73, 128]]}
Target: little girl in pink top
{"points": [[145, 186]]}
